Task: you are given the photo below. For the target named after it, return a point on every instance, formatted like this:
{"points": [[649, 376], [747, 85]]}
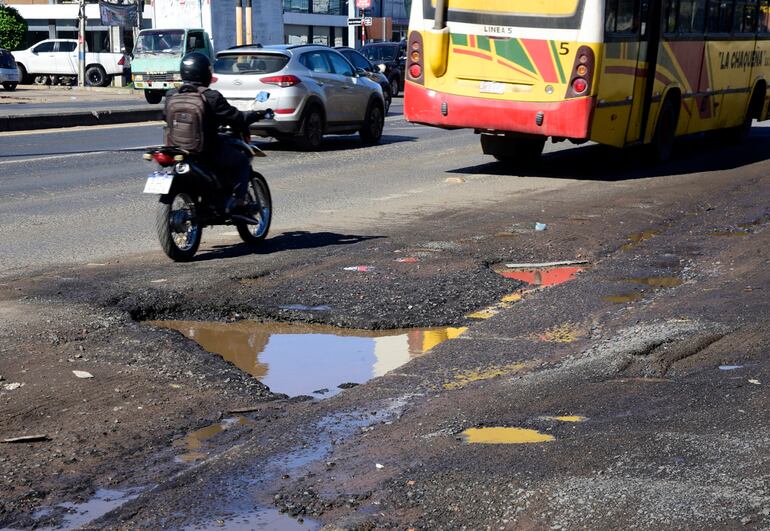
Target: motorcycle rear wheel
{"points": [[179, 227], [261, 203]]}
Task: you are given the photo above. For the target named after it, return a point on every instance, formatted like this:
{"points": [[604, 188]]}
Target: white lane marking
{"points": [[72, 155], [60, 130]]}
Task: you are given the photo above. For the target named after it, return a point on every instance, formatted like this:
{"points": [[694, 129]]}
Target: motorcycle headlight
{"points": [[182, 167]]}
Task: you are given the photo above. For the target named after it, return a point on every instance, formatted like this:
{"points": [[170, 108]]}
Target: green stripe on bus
{"points": [[512, 50], [557, 61], [459, 39], [483, 43]]}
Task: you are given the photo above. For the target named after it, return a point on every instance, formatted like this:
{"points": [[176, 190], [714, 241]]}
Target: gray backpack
{"points": [[185, 113]]}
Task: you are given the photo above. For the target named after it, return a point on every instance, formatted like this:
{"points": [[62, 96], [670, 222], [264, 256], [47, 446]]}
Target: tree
{"points": [[13, 28]]}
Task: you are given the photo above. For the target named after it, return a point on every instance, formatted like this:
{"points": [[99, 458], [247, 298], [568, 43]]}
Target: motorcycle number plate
{"points": [[158, 183]]}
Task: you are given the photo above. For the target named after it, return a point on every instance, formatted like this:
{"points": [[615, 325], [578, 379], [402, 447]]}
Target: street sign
{"points": [[367, 21], [354, 21], [363, 4]]}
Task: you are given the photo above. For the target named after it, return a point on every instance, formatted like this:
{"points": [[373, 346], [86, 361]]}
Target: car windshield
{"points": [[6, 60], [379, 53], [250, 63], [155, 42]]}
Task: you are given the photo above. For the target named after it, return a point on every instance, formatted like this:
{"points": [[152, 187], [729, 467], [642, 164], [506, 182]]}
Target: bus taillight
{"points": [[582, 73], [415, 70]]}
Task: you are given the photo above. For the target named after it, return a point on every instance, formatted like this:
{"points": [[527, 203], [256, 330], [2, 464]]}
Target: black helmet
{"points": [[196, 68]]}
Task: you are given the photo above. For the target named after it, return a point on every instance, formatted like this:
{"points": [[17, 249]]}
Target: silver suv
{"points": [[313, 90]]}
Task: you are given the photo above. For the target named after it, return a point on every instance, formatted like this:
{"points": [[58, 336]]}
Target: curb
{"points": [[75, 119]]}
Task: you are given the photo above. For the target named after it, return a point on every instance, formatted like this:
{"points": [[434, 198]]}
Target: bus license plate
{"points": [[492, 87], [158, 183]]}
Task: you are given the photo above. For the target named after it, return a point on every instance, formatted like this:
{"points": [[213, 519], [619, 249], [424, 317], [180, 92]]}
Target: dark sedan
{"points": [[393, 56]]}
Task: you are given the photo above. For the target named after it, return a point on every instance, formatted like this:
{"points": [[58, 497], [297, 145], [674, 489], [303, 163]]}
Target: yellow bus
{"points": [[617, 72]]}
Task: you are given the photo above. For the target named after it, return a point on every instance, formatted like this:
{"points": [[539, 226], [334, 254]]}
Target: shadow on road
{"points": [[336, 143], [702, 153], [287, 241]]}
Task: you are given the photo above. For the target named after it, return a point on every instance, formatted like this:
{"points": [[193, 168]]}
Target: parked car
{"points": [[372, 72], [313, 90], [393, 56], [9, 74], [157, 55], [57, 59]]}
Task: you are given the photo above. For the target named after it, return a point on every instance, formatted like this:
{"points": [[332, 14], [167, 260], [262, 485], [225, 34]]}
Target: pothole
{"points": [[542, 277], [638, 238], [302, 359], [656, 282], [194, 443]]}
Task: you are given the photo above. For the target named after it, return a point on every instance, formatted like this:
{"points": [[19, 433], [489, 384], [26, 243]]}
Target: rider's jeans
{"points": [[232, 166]]}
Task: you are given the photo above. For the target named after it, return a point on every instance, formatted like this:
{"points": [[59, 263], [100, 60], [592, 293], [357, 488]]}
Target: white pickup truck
{"points": [[55, 60]]}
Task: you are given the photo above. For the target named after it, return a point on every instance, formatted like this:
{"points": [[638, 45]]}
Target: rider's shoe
{"points": [[234, 204]]}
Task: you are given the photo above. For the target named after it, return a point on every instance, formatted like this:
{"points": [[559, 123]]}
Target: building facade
{"points": [[272, 21]]}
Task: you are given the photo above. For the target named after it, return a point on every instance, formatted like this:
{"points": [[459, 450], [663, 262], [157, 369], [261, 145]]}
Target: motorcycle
{"points": [[192, 197]]}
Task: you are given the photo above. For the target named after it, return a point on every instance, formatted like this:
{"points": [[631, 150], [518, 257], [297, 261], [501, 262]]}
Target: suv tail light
{"points": [[122, 61], [415, 65], [582, 73], [282, 81]]}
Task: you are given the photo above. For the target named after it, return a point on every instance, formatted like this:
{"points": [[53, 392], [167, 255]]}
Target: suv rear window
{"points": [[6, 60], [250, 63]]}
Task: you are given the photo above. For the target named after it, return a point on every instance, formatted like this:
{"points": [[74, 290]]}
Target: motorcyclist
{"points": [[225, 160]]}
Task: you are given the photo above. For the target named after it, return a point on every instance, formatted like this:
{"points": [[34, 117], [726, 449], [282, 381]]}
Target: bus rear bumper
{"points": [[567, 119]]}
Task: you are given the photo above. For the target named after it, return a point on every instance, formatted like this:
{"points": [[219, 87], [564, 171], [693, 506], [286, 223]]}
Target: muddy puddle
{"points": [[267, 519], [76, 515], [300, 359], [500, 435], [542, 277]]}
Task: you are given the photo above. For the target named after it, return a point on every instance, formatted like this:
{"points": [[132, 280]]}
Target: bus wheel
{"points": [[520, 150], [741, 133], [662, 145]]}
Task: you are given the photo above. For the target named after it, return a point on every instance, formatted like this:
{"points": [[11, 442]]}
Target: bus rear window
{"points": [[250, 63], [561, 14], [545, 8]]}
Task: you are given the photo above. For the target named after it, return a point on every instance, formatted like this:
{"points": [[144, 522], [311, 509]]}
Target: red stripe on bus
{"points": [[566, 119], [472, 41], [541, 55], [469, 52]]}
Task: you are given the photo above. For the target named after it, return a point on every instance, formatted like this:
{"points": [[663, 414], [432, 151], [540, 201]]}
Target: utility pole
{"points": [[82, 44]]}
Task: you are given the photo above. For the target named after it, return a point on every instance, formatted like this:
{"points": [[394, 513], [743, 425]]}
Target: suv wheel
{"points": [[312, 131], [371, 132]]}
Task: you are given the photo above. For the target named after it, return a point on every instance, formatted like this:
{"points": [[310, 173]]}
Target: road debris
{"points": [[730, 367], [27, 439], [83, 374], [547, 264], [379, 466], [408, 260], [565, 418], [361, 268], [755, 382], [12, 386], [540, 226], [305, 308]]}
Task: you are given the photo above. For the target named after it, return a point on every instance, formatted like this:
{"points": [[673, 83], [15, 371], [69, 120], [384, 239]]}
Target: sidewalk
{"points": [[32, 107]]}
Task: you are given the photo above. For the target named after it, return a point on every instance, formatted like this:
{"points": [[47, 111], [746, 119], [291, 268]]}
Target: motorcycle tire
{"points": [[178, 226], [259, 194]]}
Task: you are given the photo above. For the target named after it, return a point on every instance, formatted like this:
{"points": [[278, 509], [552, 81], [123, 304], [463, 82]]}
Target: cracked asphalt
{"points": [[659, 347]]}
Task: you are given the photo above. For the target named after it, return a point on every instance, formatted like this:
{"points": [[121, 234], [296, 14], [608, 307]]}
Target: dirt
{"points": [[668, 440]]}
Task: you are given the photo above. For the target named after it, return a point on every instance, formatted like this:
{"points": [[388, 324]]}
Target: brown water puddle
{"points": [[638, 238], [500, 435], [194, 442], [300, 359], [623, 298]]}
